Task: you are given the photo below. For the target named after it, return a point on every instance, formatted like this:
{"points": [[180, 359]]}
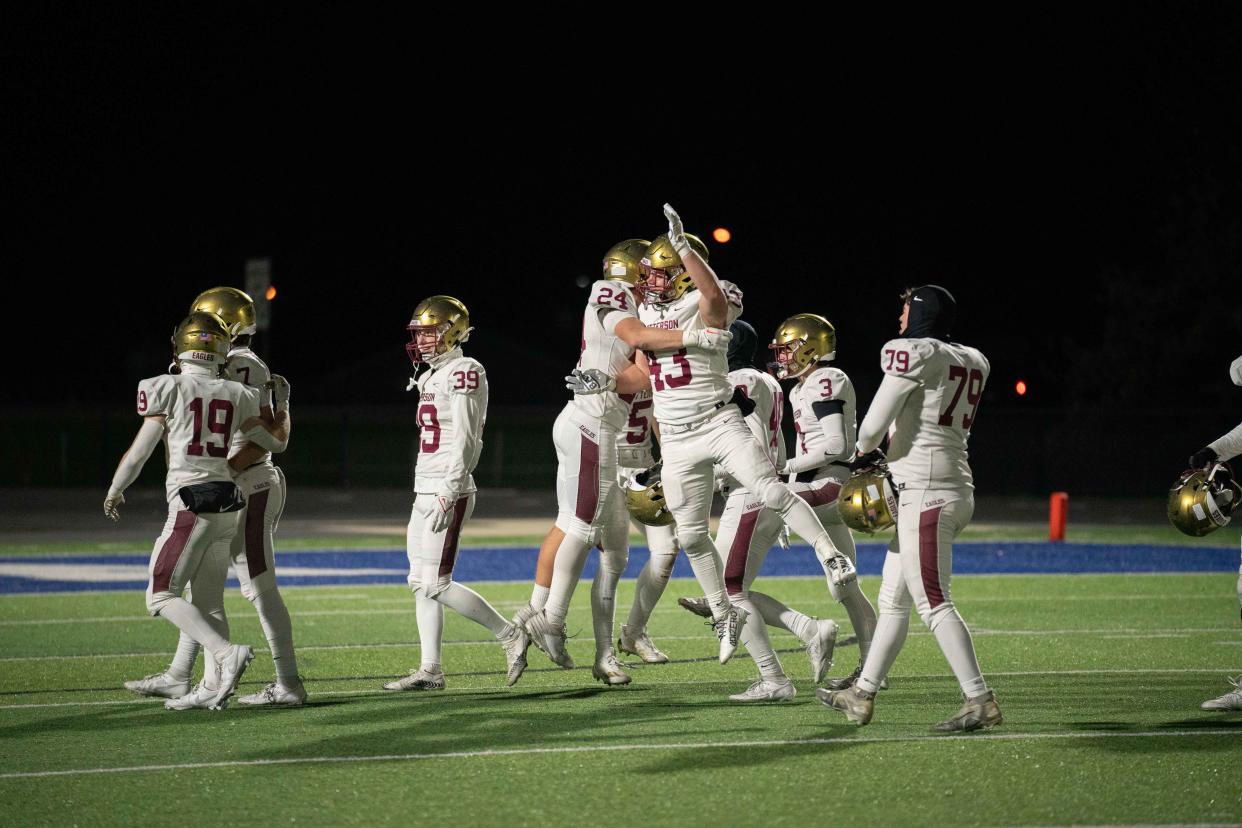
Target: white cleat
{"points": [[978, 713], [419, 679], [523, 615], [550, 638], [1230, 701], [515, 645], [857, 705], [698, 606], [729, 629], [159, 684], [848, 681], [200, 697], [233, 664], [641, 645], [766, 690], [840, 570], [276, 694], [819, 648], [608, 670]]}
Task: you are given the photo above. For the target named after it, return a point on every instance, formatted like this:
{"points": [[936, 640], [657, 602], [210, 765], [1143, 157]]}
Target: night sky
{"points": [[1076, 182]]}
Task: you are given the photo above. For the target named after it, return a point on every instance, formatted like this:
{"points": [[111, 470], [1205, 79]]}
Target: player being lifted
{"points": [[585, 436], [197, 412], [701, 419], [252, 549], [930, 396], [1221, 451], [452, 411], [826, 424]]}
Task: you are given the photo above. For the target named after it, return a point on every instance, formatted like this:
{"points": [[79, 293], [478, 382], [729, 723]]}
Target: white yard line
{"points": [[582, 749], [579, 686]]}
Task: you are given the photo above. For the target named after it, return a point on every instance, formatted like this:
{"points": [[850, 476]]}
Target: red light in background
{"points": [[721, 235], [1020, 388], [271, 293]]}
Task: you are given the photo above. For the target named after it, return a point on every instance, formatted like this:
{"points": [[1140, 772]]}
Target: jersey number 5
{"points": [[215, 425], [972, 382]]}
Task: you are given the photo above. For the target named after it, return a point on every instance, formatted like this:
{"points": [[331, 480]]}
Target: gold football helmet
{"points": [[801, 341], [868, 500], [662, 277], [1202, 500], [439, 324], [646, 504], [203, 338], [621, 260], [234, 306]]}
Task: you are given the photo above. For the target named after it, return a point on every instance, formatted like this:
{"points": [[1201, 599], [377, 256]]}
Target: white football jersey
{"points": [[927, 442], [823, 384], [634, 441], [689, 382], [610, 303], [202, 413], [244, 366], [765, 421], [452, 410]]}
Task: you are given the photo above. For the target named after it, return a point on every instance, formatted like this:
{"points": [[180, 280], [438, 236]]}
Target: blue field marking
{"points": [[77, 573]]}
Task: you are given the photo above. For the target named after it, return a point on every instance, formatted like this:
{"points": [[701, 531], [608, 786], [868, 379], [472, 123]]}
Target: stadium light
{"points": [[1020, 387], [721, 234], [271, 293]]}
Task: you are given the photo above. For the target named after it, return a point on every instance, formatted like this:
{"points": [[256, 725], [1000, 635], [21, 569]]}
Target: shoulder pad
{"points": [[464, 375], [606, 293], [825, 383], [155, 394], [732, 292], [907, 358]]}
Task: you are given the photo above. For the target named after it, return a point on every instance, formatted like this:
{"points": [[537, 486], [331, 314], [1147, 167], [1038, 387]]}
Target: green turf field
{"points": [[1099, 678]]}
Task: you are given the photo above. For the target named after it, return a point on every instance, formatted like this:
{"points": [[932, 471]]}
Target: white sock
{"points": [[278, 629], [182, 665], [862, 616], [890, 635], [539, 597], [193, 623], [776, 614], [755, 638], [475, 607], [430, 614], [571, 556], [803, 520], [604, 598], [955, 642], [647, 592], [706, 565]]}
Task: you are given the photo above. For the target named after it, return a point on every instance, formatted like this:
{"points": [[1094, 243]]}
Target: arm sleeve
{"points": [[833, 426], [469, 414], [149, 436], [1229, 446], [260, 436], [884, 408]]}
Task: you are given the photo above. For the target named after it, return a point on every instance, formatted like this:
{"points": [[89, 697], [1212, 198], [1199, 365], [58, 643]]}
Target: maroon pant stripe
{"points": [[588, 482], [739, 551], [448, 555], [171, 551], [822, 496], [929, 555], [256, 507]]}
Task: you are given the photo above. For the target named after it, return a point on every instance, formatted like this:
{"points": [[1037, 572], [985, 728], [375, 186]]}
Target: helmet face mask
{"points": [[1202, 500], [658, 285], [646, 504]]}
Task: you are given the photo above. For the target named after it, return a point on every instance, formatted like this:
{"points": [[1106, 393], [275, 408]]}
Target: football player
{"points": [[826, 426], [196, 413], [585, 436], [701, 418], [252, 549], [1223, 450], [930, 397], [452, 411], [748, 530]]}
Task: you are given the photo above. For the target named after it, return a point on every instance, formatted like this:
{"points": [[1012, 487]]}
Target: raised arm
{"points": [[713, 304]]}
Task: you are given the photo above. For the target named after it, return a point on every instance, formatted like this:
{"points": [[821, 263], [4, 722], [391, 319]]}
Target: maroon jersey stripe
{"points": [[256, 507], [739, 551], [588, 482], [171, 551], [448, 554], [929, 555], [822, 496]]}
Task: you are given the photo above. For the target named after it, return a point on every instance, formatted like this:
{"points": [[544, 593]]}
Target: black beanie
{"points": [[742, 346], [932, 312]]}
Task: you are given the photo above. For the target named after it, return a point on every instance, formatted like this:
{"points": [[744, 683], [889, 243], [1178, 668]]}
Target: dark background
{"points": [[1075, 178]]}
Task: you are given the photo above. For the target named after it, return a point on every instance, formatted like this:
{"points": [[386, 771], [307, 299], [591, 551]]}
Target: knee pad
{"points": [[778, 497], [573, 526], [697, 546], [157, 600], [434, 589], [933, 617]]}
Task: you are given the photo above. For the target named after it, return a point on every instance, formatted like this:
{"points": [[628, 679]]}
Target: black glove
{"points": [[1201, 458], [862, 461], [744, 403], [650, 476]]}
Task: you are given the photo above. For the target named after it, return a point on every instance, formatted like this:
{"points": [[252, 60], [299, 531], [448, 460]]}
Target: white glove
{"points": [[709, 339], [590, 381], [676, 233], [783, 537], [279, 386], [111, 502], [442, 511], [1235, 371]]}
